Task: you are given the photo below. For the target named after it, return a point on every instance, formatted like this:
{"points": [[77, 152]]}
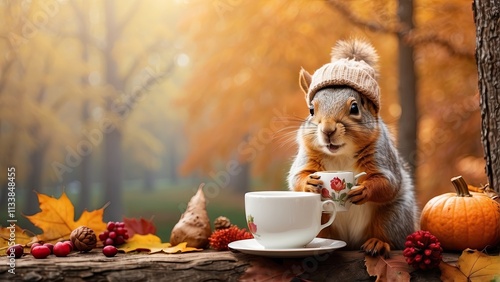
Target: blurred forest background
{"points": [[137, 102]]}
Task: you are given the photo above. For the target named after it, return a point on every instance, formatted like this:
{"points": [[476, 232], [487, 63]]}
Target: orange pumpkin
{"points": [[462, 220]]}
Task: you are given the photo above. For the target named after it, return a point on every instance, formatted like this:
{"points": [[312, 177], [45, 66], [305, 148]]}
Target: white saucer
{"points": [[316, 247]]}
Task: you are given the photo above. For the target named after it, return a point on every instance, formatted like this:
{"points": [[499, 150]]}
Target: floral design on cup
{"points": [[337, 186], [251, 225]]}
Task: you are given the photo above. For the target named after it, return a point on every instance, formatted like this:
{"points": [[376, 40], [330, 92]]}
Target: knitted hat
{"points": [[353, 64]]}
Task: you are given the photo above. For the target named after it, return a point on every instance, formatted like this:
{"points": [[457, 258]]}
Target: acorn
{"points": [[83, 238]]}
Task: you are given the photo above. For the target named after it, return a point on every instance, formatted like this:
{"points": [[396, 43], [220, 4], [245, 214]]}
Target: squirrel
{"points": [[344, 132]]}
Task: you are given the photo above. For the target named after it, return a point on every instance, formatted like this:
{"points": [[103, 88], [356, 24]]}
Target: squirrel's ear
{"points": [[304, 80]]}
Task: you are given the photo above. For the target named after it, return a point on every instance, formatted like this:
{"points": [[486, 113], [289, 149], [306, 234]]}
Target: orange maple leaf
{"points": [[57, 218]]}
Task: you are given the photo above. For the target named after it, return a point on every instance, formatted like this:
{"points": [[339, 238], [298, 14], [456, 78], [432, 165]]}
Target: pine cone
{"points": [[222, 222], [83, 238], [423, 250]]}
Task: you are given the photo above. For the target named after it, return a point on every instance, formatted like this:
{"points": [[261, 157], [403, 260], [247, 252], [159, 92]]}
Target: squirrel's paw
{"points": [[374, 247], [313, 183], [358, 195]]}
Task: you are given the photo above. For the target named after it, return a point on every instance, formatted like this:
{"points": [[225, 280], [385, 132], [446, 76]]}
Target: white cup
{"points": [[336, 185], [286, 219]]}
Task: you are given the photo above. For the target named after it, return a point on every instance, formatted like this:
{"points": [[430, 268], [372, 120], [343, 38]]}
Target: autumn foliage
{"points": [[57, 218], [256, 49]]}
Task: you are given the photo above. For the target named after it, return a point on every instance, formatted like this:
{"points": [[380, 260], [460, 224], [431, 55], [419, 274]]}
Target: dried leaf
{"points": [[472, 266], [180, 248], [391, 269], [478, 266], [139, 226], [150, 243], [450, 273], [56, 218], [22, 236]]}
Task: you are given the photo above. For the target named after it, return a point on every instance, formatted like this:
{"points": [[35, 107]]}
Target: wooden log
{"points": [[196, 266]]}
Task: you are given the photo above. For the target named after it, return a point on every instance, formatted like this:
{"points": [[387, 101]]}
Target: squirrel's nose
{"points": [[329, 132]]}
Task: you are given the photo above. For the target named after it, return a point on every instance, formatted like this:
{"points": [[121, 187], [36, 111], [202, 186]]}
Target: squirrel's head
{"points": [[343, 100]]}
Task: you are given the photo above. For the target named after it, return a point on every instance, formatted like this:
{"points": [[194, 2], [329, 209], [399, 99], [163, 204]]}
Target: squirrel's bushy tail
{"points": [[355, 49]]}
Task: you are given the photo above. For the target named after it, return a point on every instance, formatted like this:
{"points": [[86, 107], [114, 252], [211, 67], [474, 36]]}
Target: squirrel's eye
{"points": [[354, 109], [311, 111]]}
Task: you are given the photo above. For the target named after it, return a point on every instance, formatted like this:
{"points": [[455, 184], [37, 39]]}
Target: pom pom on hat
{"points": [[354, 64]]}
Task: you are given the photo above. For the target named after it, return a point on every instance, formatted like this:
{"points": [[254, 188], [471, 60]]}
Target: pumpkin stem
{"points": [[460, 186]]}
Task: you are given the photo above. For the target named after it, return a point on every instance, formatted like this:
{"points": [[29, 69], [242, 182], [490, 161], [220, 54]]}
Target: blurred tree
{"points": [[29, 114], [122, 94], [86, 165], [73, 72], [407, 87], [487, 17]]}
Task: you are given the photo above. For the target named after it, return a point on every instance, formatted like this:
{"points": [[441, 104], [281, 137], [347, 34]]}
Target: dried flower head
{"points": [[221, 238]]}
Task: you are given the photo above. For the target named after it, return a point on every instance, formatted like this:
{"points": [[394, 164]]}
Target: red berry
{"points": [[116, 234], [119, 241], [102, 237], [108, 242], [40, 252], [15, 251], [110, 251], [120, 231], [61, 249], [34, 245], [50, 246], [70, 244]]}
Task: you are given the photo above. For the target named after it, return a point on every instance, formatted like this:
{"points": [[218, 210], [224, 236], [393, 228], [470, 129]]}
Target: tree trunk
{"points": [[202, 266], [240, 182], [113, 137], [86, 165], [407, 89], [487, 19], [172, 161], [36, 159], [34, 182], [149, 180], [113, 175], [86, 168]]}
